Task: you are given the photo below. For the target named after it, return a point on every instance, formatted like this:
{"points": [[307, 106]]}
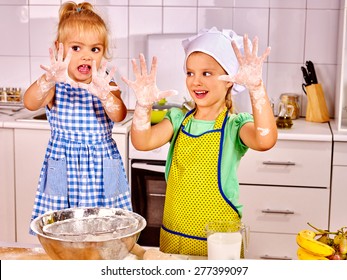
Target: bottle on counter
{"points": [[3, 94], [11, 94], [293, 100], [285, 112]]}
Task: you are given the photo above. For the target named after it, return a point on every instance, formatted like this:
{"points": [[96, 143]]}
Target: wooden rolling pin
{"points": [[150, 254]]}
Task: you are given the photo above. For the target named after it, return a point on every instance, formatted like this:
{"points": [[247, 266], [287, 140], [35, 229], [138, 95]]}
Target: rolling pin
{"points": [[150, 254]]}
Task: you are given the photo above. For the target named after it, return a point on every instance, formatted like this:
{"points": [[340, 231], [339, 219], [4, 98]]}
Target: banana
{"points": [[305, 239], [306, 255]]}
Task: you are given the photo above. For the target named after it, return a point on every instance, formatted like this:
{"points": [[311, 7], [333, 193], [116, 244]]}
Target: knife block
{"points": [[316, 110]]}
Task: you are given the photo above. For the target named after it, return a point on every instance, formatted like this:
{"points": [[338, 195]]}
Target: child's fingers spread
{"points": [[125, 80], [143, 65], [167, 93], [135, 68], [51, 56], [154, 66], [236, 51], [245, 44], [112, 72], [255, 46], [68, 56], [60, 52], [94, 70], [103, 68], [44, 67], [266, 53]]}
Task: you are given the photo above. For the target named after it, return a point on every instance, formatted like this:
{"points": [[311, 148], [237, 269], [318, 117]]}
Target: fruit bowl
{"points": [[93, 233], [160, 109], [319, 244]]}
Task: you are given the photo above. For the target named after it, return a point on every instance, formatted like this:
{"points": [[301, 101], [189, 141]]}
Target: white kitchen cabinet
{"points": [[339, 187], [289, 163], [282, 189], [273, 246], [276, 214], [7, 193], [30, 148], [284, 209]]}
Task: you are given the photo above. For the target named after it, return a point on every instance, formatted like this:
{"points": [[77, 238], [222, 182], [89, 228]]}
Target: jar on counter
{"points": [[14, 95], [3, 94], [292, 100], [11, 94]]}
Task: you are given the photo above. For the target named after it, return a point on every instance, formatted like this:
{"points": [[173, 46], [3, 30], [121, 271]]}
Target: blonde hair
{"points": [[83, 18], [228, 100]]}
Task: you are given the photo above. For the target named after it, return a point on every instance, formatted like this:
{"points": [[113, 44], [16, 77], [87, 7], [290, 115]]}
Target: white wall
{"points": [[296, 30]]}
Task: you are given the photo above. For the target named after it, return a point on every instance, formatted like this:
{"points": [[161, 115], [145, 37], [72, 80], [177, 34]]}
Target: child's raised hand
{"points": [[58, 70], [145, 86], [250, 65], [100, 84]]}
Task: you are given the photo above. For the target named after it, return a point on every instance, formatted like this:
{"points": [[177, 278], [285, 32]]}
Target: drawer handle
{"points": [[277, 211], [149, 167], [157, 194], [270, 162], [267, 257]]}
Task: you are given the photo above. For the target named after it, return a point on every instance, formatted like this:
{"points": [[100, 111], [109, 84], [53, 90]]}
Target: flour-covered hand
{"points": [[55, 73], [250, 65], [58, 70], [100, 84], [145, 86]]}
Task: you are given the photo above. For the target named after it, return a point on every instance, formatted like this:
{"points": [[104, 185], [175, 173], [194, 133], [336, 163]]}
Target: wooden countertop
{"points": [[16, 253], [38, 253]]}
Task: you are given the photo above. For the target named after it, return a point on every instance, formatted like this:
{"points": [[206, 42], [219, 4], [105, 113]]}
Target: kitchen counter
{"points": [[20, 251], [306, 131], [17, 251], [21, 119], [339, 136], [301, 129]]}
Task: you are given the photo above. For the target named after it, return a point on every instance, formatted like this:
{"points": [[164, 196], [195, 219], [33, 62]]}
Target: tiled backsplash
{"points": [[296, 30]]}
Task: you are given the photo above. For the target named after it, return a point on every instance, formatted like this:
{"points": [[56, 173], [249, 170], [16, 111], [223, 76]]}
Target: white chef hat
{"points": [[218, 45]]}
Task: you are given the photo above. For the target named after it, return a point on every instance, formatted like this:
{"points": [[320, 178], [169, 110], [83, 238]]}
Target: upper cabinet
{"points": [[341, 78]]}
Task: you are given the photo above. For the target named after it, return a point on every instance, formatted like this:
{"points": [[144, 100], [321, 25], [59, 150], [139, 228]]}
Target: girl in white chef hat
{"points": [[207, 143]]}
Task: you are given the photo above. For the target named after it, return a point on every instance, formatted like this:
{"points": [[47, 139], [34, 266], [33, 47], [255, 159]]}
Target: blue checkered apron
{"points": [[82, 165]]}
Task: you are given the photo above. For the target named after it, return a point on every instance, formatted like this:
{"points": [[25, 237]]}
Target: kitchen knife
{"points": [[306, 77], [311, 72]]}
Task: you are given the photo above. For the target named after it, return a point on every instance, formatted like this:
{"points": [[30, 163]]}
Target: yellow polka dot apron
{"points": [[194, 194]]}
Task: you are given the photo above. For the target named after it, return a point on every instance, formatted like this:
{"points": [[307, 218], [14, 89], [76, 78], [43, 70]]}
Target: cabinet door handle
{"points": [[157, 194], [149, 167], [277, 211], [267, 257], [270, 162]]}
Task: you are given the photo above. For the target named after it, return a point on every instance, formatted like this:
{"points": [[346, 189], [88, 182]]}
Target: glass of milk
{"points": [[225, 240]]}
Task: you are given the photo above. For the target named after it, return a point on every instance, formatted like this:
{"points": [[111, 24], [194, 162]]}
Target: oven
{"points": [[148, 187]]}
